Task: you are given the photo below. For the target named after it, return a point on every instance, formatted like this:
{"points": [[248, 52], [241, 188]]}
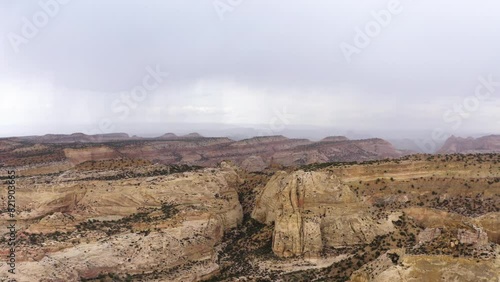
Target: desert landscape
{"points": [[193, 208], [249, 141]]}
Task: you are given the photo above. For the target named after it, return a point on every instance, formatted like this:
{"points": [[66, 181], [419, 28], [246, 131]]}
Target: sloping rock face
{"points": [[253, 163], [485, 144], [428, 234], [490, 223], [84, 228], [397, 266], [311, 210], [477, 231], [477, 237]]}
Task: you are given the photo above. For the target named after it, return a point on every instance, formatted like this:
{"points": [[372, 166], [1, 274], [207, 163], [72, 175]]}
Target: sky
{"points": [[387, 68]]}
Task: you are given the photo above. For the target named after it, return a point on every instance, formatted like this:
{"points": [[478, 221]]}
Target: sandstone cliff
{"points": [[311, 210], [80, 228]]}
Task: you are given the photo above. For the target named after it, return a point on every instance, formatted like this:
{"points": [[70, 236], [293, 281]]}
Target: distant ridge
{"points": [[168, 136], [485, 144], [334, 139], [261, 140], [253, 154], [192, 135], [98, 138], [76, 137]]}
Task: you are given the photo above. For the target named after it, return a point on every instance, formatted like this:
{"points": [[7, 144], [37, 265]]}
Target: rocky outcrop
{"points": [[475, 237], [433, 218], [192, 241], [428, 234], [311, 210], [397, 266], [253, 163], [53, 222], [490, 223], [477, 231], [485, 144], [125, 226]]}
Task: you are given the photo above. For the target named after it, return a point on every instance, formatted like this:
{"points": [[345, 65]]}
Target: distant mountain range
{"points": [[253, 154], [485, 144]]}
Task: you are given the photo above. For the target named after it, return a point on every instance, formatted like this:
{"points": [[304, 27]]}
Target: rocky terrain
{"points": [[95, 221], [421, 217], [485, 144], [255, 154], [213, 209], [315, 210]]}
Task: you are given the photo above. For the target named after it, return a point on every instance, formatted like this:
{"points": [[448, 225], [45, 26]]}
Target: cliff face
{"points": [[312, 210], [83, 225], [486, 144], [254, 154]]}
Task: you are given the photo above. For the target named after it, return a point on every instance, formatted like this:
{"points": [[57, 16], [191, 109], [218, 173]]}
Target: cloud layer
{"points": [[245, 62]]}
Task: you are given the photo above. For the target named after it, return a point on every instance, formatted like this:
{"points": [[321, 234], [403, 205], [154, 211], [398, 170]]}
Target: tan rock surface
{"points": [[428, 234], [476, 231], [490, 223], [93, 153], [311, 210], [206, 202], [424, 268], [254, 163]]}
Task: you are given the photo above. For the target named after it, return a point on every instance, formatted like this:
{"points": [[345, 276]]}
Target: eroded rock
{"points": [[311, 210]]}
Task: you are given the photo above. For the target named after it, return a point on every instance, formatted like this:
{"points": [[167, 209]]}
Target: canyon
{"points": [[193, 208]]}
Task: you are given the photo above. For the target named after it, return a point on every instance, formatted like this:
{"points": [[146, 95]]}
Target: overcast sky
{"points": [[69, 66]]}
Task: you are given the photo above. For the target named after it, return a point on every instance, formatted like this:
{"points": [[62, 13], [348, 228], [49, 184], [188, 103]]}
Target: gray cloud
{"points": [[264, 55]]}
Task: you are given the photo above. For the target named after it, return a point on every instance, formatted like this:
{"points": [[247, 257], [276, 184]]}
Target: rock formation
{"points": [[134, 210], [395, 265], [128, 225], [256, 153], [485, 144], [311, 210]]}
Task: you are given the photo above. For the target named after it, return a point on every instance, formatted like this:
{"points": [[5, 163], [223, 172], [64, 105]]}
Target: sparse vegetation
{"points": [[462, 185]]}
